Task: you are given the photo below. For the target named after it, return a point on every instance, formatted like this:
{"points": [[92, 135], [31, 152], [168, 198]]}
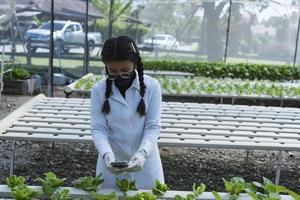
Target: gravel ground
{"points": [[182, 166]]}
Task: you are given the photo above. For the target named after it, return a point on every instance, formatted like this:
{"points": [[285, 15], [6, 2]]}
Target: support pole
{"points": [[12, 159], [111, 18], [278, 167], [227, 32], [50, 68], [86, 42], [297, 41]]}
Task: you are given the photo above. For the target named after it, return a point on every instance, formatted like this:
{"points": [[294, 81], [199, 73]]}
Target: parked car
{"points": [[163, 41], [64, 32]]}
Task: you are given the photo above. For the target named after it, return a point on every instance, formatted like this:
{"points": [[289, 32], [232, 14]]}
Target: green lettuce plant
{"points": [[50, 183], [88, 183]]}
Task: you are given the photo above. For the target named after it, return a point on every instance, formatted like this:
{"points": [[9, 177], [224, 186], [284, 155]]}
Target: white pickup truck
{"points": [[64, 32]]}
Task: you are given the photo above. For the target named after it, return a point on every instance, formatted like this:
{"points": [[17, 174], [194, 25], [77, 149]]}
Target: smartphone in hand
{"points": [[119, 164]]}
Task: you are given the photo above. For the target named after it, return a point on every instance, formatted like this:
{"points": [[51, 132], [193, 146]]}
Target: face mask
{"points": [[125, 81]]}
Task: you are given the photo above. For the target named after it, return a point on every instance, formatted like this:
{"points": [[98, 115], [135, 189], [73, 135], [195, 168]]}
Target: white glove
{"points": [[137, 161], [108, 159]]}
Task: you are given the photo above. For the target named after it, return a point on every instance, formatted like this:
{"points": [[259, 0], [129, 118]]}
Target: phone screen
{"points": [[119, 164]]}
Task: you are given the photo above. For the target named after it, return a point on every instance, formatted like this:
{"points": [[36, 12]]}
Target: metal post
{"points": [[12, 160], [228, 29], [50, 68], [111, 16], [28, 57], [249, 152], [281, 103], [12, 31], [2, 71], [86, 42], [278, 167], [297, 40], [137, 25]]}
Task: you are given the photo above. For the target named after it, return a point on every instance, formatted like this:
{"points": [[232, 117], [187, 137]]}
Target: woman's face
{"points": [[120, 67]]}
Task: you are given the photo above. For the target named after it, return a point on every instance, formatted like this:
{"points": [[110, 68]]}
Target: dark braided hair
{"points": [[120, 49]]}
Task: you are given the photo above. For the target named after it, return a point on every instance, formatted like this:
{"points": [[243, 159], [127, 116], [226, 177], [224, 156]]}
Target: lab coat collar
{"points": [[136, 81]]}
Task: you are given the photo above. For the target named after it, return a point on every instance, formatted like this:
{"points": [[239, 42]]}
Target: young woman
{"points": [[125, 117]]}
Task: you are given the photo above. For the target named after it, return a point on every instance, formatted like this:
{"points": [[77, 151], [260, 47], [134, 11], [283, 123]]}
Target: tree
{"points": [[212, 37], [121, 9], [173, 17]]}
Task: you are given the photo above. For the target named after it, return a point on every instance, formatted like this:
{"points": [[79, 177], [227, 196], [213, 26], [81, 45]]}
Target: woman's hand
{"points": [[108, 159], [137, 161]]}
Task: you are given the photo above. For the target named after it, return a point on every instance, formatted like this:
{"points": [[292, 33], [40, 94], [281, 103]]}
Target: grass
{"points": [[65, 63]]}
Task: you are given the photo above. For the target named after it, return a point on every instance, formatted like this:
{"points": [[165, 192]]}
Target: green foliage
{"points": [[266, 190], [222, 70], [96, 196], [188, 197], [50, 183], [160, 188], [236, 185], [13, 181], [23, 192], [15, 72], [87, 82], [62, 195], [141, 196], [270, 191], [212, 86], [88, 183], [293, 194], [125, 185], [120, 27], [216, 195], [198, 190]]}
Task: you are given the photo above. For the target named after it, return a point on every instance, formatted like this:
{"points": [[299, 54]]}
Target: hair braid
{"points": [[106, 107], [141, 107]]}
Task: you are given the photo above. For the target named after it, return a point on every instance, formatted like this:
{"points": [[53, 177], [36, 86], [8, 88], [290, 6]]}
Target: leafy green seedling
{"points": [[22, 192], [216, 195], [96, 196], [236, 185], [62, 195], [271, 191], [20, 73], [50, 184], [269, 187], [141, 196], [260, 196], [125, 185], [294, 195], [88, 183], [13, 181], [188, 197], [198, 190], [160, 188]]}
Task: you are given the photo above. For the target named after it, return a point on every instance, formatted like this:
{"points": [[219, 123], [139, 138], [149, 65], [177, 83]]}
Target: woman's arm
{"points": [[152, 119], [99, 122]]}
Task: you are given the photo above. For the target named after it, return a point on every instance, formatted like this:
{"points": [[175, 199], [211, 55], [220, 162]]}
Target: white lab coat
{"points": [[123, 131]]}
